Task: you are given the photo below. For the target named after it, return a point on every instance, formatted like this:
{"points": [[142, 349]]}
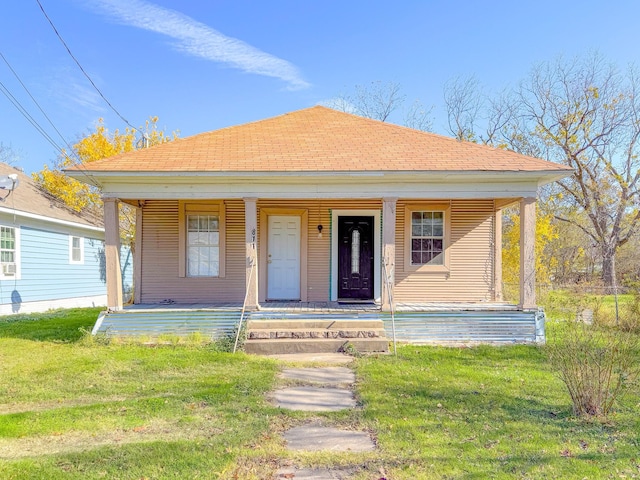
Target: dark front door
{"points": [[355, 258]]}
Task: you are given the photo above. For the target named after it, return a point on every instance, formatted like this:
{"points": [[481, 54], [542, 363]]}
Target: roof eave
{"points": [[97, 178]]}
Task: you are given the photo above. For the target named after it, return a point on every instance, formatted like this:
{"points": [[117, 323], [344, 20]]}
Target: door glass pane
{"points": [[355, 252]]}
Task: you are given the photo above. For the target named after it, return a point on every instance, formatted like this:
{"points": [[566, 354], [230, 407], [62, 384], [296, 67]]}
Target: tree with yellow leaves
{"points": [[94, 146], [546, 232], [97, 145]]}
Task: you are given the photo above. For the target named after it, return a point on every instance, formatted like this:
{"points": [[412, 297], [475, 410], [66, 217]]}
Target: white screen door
{"points": [[283, 258]]}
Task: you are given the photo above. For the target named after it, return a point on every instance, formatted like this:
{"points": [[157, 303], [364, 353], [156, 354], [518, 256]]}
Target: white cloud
{"points": [[73, 92], [200, 40]]}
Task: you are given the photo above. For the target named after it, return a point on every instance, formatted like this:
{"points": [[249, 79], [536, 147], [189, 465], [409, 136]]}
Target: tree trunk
{"points": [[609, 266]]}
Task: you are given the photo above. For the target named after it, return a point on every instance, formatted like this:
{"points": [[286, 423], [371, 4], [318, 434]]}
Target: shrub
{"points": [[596, 364], [227, 342], [630, 322]]}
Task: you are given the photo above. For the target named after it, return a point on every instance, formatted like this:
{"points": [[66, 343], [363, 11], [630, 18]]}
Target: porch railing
{"points": [[392, 307]]}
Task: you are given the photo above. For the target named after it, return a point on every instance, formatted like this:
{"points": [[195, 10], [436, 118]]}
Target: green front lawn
{"points": [[88, 410], [490, 412], [75, 408]]}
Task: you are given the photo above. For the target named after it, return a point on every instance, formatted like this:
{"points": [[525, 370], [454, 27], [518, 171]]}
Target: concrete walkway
{"points": [[314, 399], [325, 389]]}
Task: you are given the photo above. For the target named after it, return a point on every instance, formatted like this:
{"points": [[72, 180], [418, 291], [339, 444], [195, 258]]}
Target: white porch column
{"points": [[527, 253], [388, 248], [112, 253], [497, 256], [251, 238]]}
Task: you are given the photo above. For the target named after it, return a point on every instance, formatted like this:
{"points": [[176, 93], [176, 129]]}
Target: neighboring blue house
{"points": [[50, 256]]}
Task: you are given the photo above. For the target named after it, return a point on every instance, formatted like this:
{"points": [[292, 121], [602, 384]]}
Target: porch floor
{"points": [[332, 307]]}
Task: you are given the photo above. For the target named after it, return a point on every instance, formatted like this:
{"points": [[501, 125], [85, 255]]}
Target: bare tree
{"points": [[586, 114], [475, 117], [502, 128], [8, 154], [464, 102], [418, 117], [342, 103], [377, 100]]}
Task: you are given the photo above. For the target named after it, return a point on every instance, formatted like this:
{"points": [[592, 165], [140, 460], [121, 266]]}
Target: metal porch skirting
{"points": [[502, 327], [210, 323], [416, 327]]}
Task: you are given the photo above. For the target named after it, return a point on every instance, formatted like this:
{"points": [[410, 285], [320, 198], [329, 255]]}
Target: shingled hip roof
{"points": [[319, 139]]}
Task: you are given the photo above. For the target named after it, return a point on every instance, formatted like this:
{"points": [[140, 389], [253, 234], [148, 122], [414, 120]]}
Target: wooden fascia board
{"points": [[333, 177]]}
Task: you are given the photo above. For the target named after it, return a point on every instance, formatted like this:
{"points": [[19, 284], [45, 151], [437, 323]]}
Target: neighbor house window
{"points": [[201, 239], [426, 230], [76, 249], [8, 252]]}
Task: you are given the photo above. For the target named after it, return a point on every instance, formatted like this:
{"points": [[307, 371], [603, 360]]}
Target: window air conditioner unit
{"points": [[9, 269]]}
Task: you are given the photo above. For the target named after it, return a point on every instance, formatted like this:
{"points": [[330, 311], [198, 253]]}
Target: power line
{"points": [[73, 155], [16, 103], [82, 69], [35, 101]]}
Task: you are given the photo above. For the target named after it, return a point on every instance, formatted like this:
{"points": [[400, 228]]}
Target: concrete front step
{"points": [[266, 334], [274, 337], [320, 345], [298, 324]]}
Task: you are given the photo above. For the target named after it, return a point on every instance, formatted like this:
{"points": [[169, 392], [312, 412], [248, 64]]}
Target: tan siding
{"points": [[470, 277], [160, 279]]}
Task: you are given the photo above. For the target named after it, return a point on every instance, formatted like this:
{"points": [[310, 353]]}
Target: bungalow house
{"points": [[320, 207], [50, 256]]}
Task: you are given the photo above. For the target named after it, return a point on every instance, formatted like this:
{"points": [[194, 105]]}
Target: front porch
{"points": [[341, 279], [419, 323], [264, 249]]}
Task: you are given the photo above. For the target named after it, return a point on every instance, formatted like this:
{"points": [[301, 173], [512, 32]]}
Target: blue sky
{"points": [[203, 65]]}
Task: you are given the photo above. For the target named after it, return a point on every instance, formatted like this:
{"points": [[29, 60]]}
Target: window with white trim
{"points": [[203, 245], [76, 250], [427, 237], [8, 252]]}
